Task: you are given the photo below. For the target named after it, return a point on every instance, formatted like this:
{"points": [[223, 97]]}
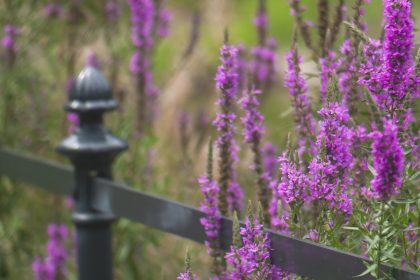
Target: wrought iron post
{"points": [[91, 149]]}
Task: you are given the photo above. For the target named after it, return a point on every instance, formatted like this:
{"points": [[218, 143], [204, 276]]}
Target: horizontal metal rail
{"points": [[295, 255]]}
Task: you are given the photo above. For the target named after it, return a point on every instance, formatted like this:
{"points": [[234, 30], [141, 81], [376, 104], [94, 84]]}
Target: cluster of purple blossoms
{"points": [[53, 267], [398, 69], [388, 161], [293, 182], [297, 87], [329, 172], [112, 11], [359, 12], [92, 60], [253, 120], [142, 15], [242, 68], [263, 65], [371, 66], [148, 22], [270, 165], [346, 77], [227, 81], [73, 122], [209, 206], [328, 66], [269, 160], [187, 275], [9, 39], [53, 10], [410, 233], [312, 235], [163, 19], [252, 259]]}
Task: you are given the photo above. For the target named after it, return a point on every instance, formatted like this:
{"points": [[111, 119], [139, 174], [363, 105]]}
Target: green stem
{"points": [[379, 253]]}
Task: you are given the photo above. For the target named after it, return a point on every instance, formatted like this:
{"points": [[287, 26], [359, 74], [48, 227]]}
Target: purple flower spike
{"points": [[293, 182], [330, 171], [263, 65], [147, 21], [164, 19], [269, 162], [398, 60], [388, 161], [211, 222], [93, 60], [253, 120], [252, 259], [53, 10], [297, 87], [112, 10], [73, 121], [328, 66], [54, 265], [230, 196], [187, 275], [43, 270], [10, 34]]}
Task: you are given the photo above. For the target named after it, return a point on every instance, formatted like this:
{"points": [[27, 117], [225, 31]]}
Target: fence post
{"points": [[91, 149]]}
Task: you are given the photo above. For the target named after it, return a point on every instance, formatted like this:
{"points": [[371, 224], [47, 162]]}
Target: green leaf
{"points": [[352, 228], [370, 268]]}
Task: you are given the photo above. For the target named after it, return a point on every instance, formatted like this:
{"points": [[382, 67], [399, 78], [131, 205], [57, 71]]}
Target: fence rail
{"points": [[297, 256]]}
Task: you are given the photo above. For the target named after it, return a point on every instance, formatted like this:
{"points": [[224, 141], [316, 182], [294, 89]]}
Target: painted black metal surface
{"points": [[92, 149], [301, 257]]}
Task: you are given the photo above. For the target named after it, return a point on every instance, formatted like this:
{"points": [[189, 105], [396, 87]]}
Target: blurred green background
{"points": [[51, 50]]}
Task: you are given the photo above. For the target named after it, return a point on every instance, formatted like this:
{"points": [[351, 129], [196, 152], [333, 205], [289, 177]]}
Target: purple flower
{"points": [[142, 12], [261, 18], [227, 76], [297, 87], [263, 65], [242, 68], [329, 171], [313, 235], [73, 120], [164, 19], [54, 265], [388, 160], [253, 131], [112, 11], [293, 182], [43, 270], [397, 54], [146, 20], [230, 196], [328, 65], [93, 60], [209, 206], [252, 259], [8, 40], [253, 120], [409, 233], [347, 78], [53, 10], [269, 160], [211, 221], [187, 275]]}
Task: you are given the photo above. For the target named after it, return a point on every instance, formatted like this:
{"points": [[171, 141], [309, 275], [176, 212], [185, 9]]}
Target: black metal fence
{"points": [[99, 200]]}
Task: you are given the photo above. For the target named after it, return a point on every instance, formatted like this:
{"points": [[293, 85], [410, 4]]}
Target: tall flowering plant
{"points": [[230, 195], [53, 266], [149, 22], [350, 179]]}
